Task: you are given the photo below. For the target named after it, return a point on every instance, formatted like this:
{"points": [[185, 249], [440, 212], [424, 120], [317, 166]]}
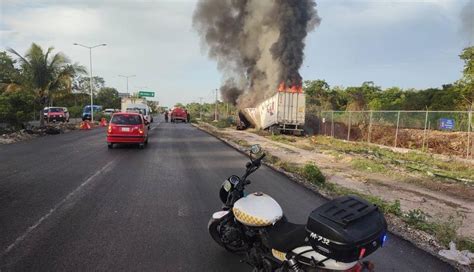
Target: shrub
{"points": [[443, 231], [75, 112], [99, 115], [465, 244], [223, 123], [393, 208], [312, 173], [16, 107], [386, 206], [414, 217]]}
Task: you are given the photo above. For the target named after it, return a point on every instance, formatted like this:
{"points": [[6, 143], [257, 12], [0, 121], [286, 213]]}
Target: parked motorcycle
{"points": [[337, 236]]}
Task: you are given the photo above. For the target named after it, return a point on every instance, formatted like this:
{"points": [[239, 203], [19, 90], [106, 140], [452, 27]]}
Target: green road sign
{"points": [[146, 94]]}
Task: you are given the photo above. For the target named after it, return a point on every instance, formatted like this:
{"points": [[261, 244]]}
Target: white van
{"points": [[141, 108]]}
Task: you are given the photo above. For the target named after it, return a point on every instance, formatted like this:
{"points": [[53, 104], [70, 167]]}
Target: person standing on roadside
{"points": [[166, 116]]}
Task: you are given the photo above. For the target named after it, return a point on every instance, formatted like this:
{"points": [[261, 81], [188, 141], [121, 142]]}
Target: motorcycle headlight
{"points": [[229, 184]]}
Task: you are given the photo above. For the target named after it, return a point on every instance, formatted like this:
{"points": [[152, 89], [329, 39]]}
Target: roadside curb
{"points": [[393, 228]]}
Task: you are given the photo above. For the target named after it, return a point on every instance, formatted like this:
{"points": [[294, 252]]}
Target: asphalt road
{"points": [[67, 203]]}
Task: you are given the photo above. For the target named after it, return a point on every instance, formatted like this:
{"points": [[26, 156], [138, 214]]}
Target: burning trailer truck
{"points": [[258, 44], [284, 112]]}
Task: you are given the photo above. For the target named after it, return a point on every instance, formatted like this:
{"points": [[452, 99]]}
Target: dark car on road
{"points": [[86, 112], [127, 127]]}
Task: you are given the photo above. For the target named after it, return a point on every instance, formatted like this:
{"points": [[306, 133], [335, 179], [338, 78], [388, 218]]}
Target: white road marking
{"points": [[62, 202]]}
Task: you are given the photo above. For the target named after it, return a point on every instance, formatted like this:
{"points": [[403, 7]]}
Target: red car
{"points": [[127, 128], [56, 114], [179, 114]]}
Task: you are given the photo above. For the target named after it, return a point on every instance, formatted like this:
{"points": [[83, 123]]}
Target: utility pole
{"points": [[215, 110], [200, 108]]}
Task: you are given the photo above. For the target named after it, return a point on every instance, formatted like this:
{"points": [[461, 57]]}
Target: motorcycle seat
{"points": [[285, 236]]}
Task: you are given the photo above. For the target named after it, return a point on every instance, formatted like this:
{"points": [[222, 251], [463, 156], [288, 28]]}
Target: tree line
{"points": [[457, 95], [207, 110], [42, 78]]}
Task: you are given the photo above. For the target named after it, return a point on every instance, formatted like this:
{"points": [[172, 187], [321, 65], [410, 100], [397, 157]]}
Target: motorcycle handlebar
{"points": [[261, 157], [253, 166], [258, 162]]}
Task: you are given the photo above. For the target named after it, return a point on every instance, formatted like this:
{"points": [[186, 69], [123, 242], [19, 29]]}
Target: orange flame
{"points": [[290, 89], [282, 87]]}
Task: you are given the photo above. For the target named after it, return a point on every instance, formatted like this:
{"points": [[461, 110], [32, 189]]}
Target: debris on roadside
{"points": [[18, 136], [30, 132], [52, 130], [463, 257]]}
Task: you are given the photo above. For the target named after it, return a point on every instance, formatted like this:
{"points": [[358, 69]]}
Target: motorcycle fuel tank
{"points": [[257, 210]]}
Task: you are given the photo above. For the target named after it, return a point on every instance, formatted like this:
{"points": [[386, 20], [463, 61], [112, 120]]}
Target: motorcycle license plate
{"points": [[227, 186]]}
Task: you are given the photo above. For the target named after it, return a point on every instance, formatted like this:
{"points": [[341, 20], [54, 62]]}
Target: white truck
{"points": [[283, 112], [130, 104]]}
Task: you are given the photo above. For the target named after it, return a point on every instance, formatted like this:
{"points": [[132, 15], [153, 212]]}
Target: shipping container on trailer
{"points": [[252, 115], [283, 112]]}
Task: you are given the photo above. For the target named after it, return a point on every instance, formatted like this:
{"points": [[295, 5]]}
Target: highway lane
{"points": [[67, 203]]}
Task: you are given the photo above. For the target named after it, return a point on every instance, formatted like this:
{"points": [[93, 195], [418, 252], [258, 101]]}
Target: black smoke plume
{"points": [[257, 43], [231, 91], [294, 16]]}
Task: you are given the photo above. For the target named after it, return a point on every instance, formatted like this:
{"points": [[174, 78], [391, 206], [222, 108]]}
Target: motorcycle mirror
{"points": [[254, 149]]}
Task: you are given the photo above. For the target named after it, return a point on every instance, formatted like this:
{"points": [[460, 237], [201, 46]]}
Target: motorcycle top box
{"points": [[346, 229]]}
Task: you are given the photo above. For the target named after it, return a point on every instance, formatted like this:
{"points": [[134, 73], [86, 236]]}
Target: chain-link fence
{"points": [[442, 132], [223, 112]]}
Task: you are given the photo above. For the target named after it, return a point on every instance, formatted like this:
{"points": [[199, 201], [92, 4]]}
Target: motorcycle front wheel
{"points": [[218, 228]]}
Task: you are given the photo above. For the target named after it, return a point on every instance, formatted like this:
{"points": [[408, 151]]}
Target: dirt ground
{"points": [[414, 191], [437, 142]]}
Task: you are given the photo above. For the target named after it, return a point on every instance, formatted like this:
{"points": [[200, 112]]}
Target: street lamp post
{"points": [[90, 78], [127, 77]]}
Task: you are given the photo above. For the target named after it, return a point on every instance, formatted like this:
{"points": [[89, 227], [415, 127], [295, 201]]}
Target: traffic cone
{"points": [[103, 122], [85, 125]]}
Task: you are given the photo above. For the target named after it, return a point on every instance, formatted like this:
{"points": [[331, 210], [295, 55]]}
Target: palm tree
{"points": [[45, 73]]}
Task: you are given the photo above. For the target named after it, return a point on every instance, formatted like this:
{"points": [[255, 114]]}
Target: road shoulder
{"points": [[397, 226]]}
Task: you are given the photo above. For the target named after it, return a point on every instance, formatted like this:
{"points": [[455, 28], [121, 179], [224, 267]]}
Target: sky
{"points": [[405, 43]]}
